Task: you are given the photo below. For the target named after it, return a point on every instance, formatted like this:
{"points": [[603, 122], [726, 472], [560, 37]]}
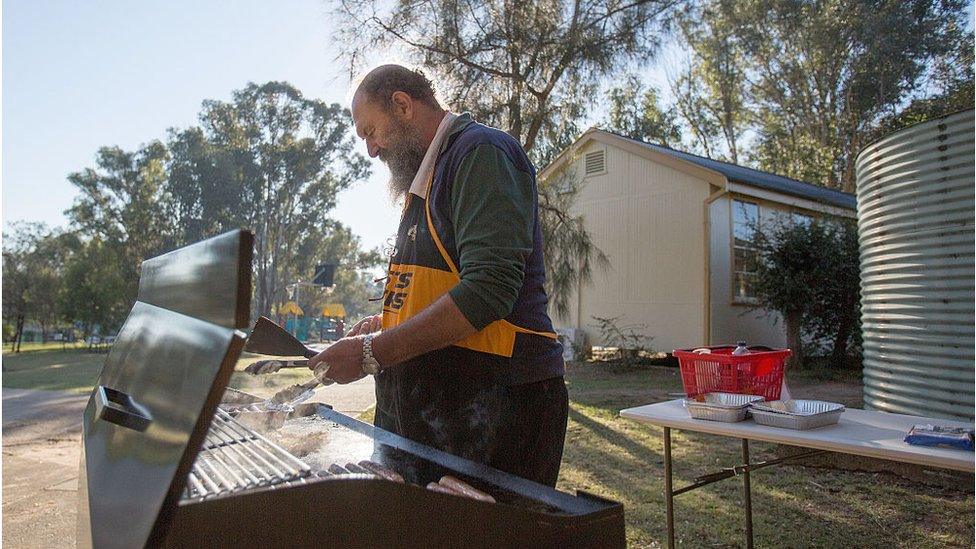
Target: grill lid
{"points": [[157, 392]]}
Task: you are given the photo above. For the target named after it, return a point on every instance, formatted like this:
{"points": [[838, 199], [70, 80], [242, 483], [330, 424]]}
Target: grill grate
{"points": [[235, 458]]}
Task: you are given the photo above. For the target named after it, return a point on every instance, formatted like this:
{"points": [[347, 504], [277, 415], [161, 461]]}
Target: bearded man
{"points": [[464, 353]]}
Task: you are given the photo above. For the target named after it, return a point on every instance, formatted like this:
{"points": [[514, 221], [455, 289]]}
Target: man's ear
{"points": [[402, 105]]}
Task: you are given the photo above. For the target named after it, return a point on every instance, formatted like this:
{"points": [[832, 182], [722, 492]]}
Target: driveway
{"points": [[41, 441]]}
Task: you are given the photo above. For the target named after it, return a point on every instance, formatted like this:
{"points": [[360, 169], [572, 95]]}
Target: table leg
{"points": [[747, 492], [668, 491]]}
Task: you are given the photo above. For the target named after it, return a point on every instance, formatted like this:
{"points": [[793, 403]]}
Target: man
{"points": [[464, 353]]}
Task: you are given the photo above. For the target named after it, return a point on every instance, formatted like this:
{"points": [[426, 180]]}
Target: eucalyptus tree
{"points": [[95, 287], [635, 112], [530, 68], [272, 160], [35, 259], [122, 203], [811, 80], [353, 284], [710, 93], [18, 246]]}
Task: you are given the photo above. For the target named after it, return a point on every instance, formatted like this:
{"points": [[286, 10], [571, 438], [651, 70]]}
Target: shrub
{"points": [[629, 339], [810, 274]]}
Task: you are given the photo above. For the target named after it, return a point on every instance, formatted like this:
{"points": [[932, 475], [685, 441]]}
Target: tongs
{"points": [[268, 338]]}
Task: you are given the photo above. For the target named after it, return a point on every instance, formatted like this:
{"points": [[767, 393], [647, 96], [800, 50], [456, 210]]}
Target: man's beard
{"points": [[403, 157]]}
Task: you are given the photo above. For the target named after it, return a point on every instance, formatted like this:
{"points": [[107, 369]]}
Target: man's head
{"points": [[396, 112]]}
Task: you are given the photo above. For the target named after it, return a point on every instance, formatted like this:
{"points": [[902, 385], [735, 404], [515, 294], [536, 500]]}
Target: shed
{"points": [[676, 228]]}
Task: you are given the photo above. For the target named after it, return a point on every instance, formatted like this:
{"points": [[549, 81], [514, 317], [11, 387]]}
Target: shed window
{"points": [[745, 254], [803, 220], [595, 162]]}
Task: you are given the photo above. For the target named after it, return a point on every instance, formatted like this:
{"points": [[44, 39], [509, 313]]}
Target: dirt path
{"points": [[41, 441], [41, 437]]}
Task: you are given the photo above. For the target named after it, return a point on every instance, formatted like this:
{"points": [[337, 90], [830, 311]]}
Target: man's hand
{"points": [[344, 359], [365, 326]]}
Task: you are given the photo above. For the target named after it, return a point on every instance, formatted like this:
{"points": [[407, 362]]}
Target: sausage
{"points": [[380, 471], [353, 468], [434, 487], [336, 469], [465, 489]]}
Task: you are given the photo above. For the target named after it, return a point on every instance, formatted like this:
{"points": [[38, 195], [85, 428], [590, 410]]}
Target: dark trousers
{"points": [[519, 429]]}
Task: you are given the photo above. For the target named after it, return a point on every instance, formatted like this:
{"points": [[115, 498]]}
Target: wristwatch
{"points": [[370, 365]]}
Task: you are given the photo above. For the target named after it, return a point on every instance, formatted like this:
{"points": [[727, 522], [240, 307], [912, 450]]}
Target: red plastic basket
{"points": [[758, 373]]}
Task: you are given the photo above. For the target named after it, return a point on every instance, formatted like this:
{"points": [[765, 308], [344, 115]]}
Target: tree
{"points": [[531, 68], [51, 257], [18, 248], [205, 186], [352, 281], [94, 278], [516, 65], [953, 76], [809, 274], [835, 312], [354, 272], [710, 92], [818, 76], [122, 205], [34, 261], [569, 252], [271, 160], [635, 112]]}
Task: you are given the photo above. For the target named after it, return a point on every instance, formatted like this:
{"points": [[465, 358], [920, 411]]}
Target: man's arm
{"points": [[436, 327]]}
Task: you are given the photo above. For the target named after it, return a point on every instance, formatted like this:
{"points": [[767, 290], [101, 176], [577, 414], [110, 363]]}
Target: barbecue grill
{"points": [[171, 457]]}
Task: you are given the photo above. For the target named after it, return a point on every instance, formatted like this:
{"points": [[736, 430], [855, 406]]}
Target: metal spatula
{"points": [[267, 338]]}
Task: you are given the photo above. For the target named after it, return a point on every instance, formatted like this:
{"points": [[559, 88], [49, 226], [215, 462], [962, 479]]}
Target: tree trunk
{"points": [[793, 340], [20, 333], [839, 354]]}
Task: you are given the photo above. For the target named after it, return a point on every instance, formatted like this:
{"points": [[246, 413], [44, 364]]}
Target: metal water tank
{"points": [[915, 199]]}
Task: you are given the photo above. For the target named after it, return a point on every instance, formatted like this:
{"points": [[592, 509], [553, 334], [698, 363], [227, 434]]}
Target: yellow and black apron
{"points": [[496, 397]]}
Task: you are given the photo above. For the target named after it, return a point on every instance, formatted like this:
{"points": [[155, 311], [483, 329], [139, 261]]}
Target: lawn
{"points": [[48, 367], [793, 506]]}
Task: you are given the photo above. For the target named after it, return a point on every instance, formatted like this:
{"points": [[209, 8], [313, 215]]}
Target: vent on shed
{"points": [[595, 162]]}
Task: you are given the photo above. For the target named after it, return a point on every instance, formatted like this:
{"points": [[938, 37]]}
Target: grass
{"points": [[49, 346], [607, 455], [48, 367]]}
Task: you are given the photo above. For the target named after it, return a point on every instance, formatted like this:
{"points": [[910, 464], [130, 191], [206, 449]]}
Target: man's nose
{"points": [[372, 148]]}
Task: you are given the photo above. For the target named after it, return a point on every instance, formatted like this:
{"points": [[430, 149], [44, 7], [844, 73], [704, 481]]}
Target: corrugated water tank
{"points": [[915, 199]]}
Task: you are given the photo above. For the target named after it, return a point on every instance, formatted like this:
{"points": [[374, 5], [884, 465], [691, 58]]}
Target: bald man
{"points": [[464, 353]]}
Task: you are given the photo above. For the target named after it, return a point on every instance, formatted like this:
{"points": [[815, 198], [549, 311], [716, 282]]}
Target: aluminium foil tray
{"points": [[724, 407], [796, 414]]}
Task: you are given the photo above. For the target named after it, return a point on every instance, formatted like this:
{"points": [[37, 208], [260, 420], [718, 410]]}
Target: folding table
{"points": [[859, 432]]}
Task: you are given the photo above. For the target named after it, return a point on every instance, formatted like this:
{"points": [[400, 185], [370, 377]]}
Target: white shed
{"points": [[676, 228]]}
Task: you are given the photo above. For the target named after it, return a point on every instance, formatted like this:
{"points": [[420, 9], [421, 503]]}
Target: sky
{"points": [[81, 75]]}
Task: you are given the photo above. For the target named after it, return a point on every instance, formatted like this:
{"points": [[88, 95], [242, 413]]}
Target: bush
{"points": [[810, 274], [629, 339]]}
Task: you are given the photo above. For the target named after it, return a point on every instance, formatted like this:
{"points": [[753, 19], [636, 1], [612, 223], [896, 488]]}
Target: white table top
{"points": [[859, 432]]}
